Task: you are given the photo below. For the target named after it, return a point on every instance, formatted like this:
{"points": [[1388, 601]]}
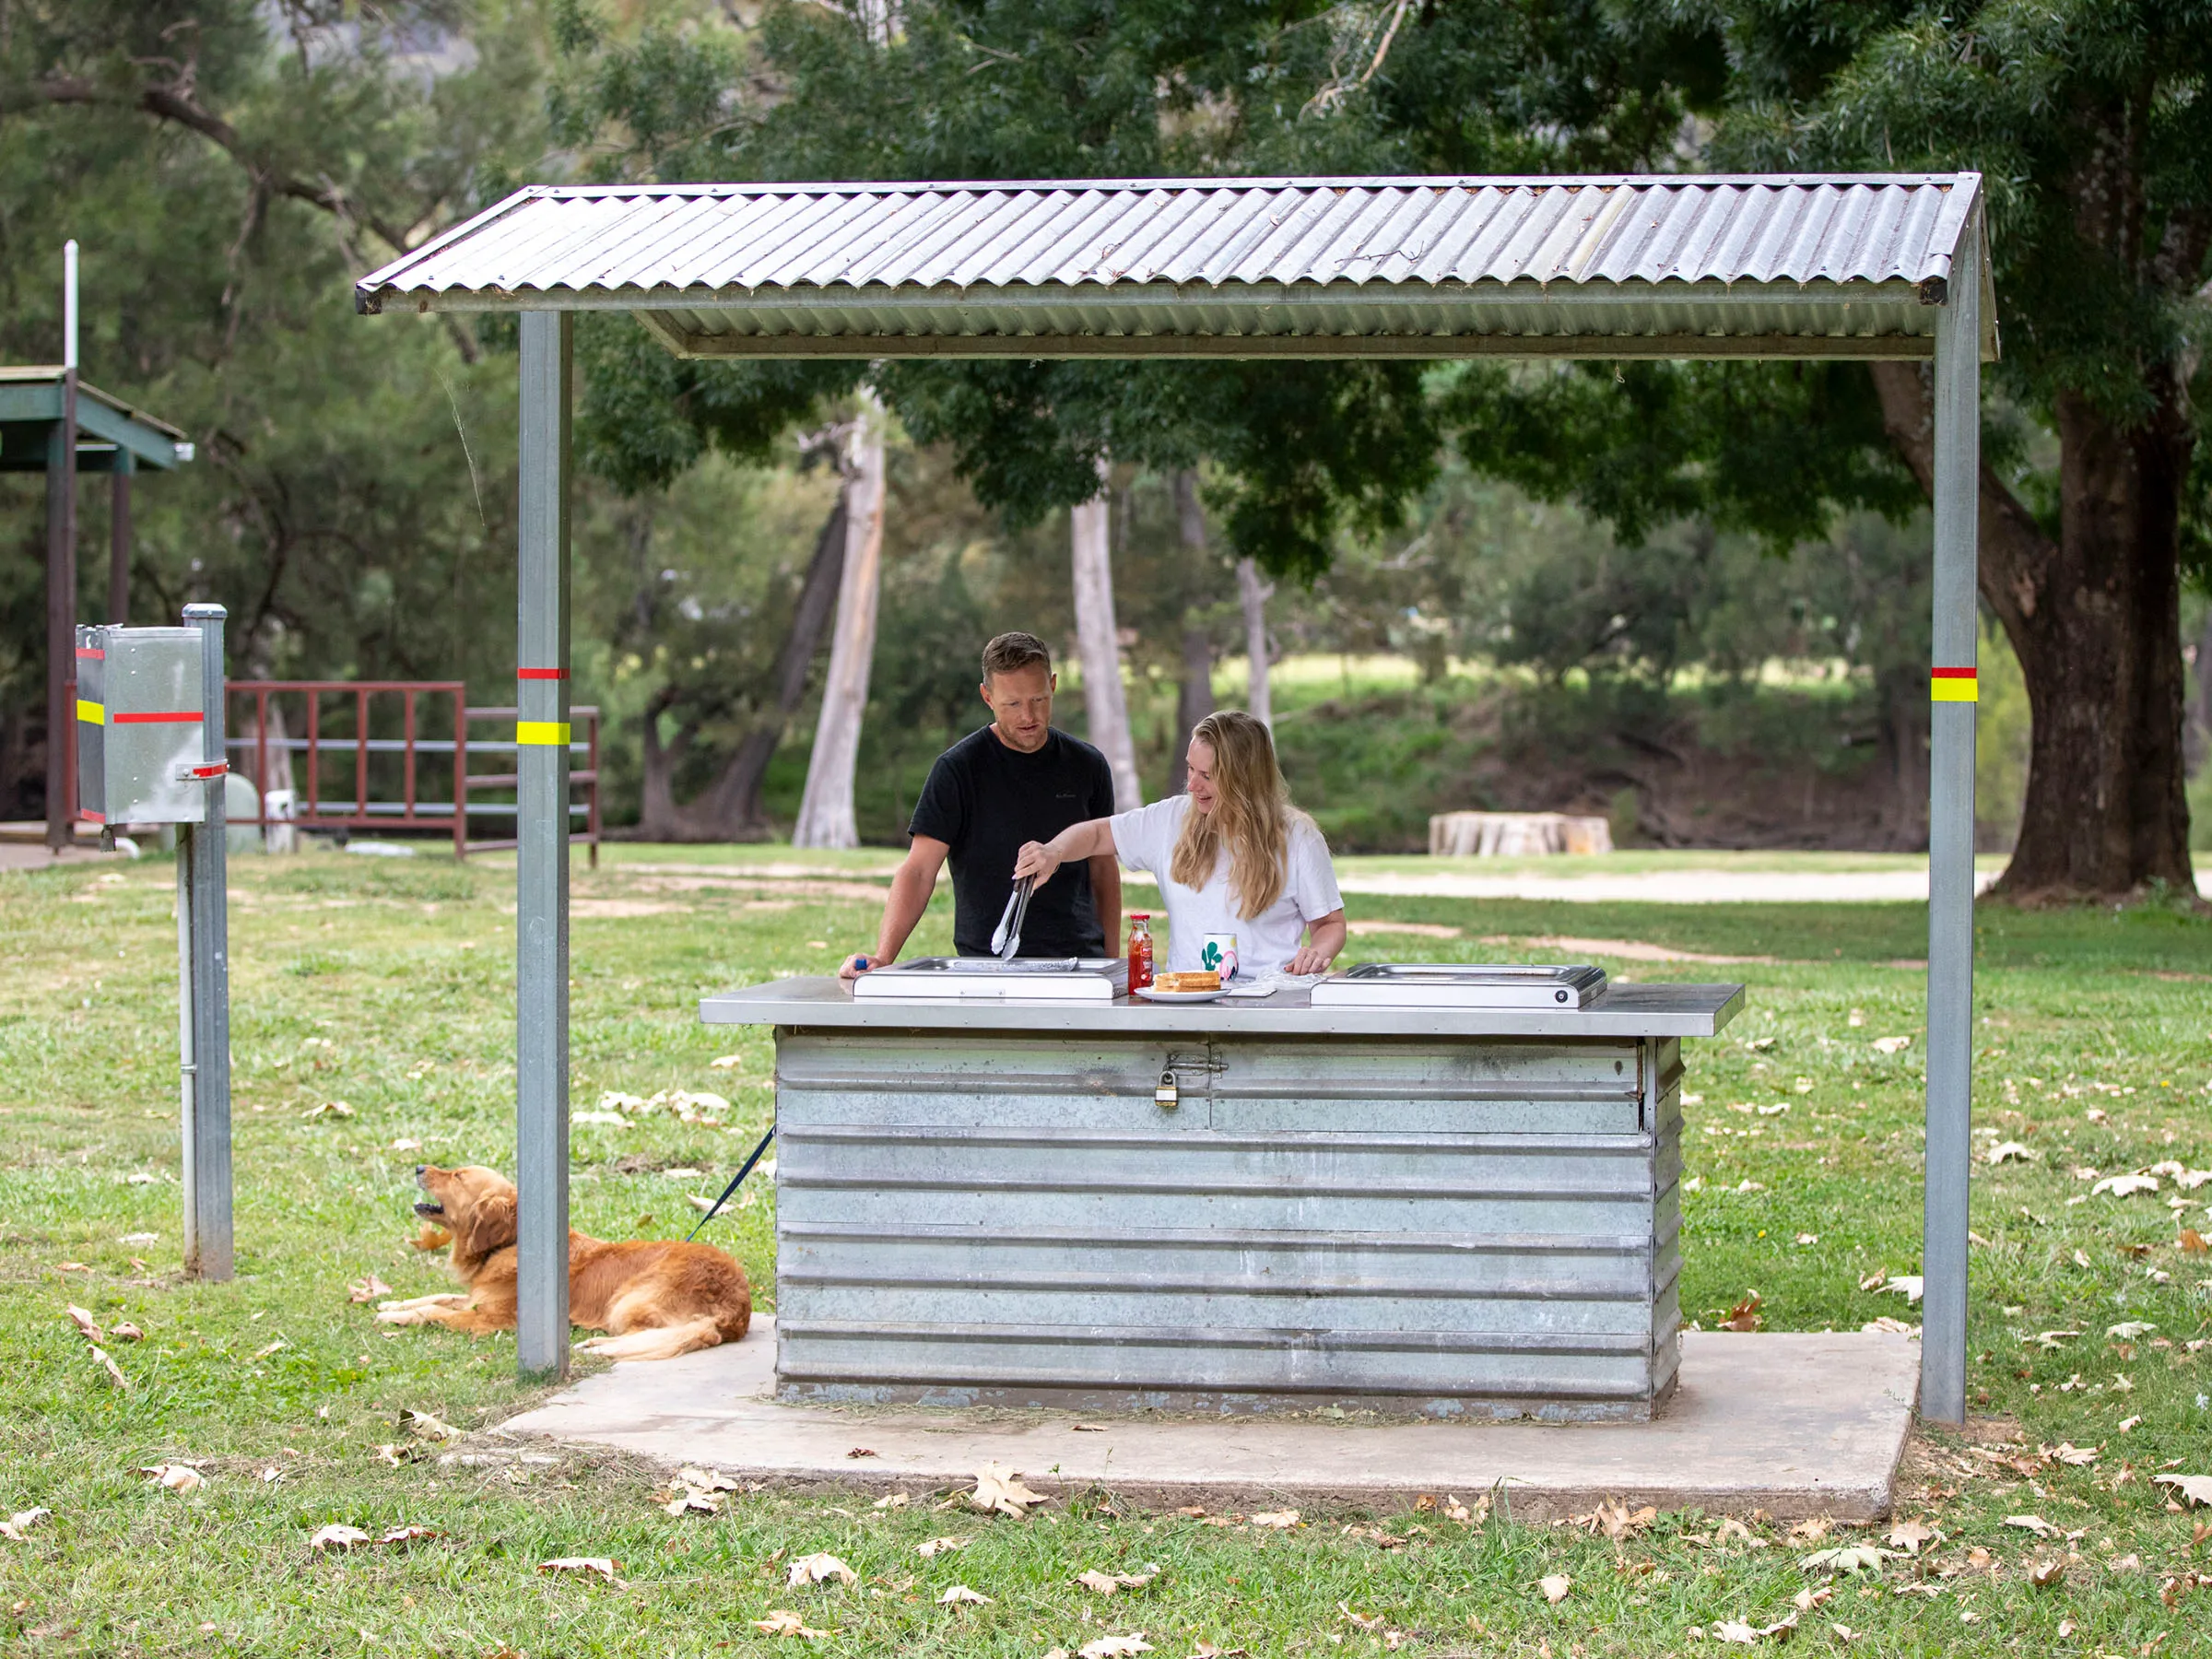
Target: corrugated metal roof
{"points": [[1819, 265]]}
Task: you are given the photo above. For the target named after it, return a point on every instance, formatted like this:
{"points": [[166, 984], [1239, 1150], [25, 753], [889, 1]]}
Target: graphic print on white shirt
{"points": [[1145, 839]]}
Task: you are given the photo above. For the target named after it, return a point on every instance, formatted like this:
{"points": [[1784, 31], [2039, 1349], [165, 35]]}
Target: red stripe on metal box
{"points": [[164, 717]]}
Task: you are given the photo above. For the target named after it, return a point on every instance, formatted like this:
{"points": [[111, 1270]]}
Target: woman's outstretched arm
{"points": [[1325, 937], [1091, 839]]}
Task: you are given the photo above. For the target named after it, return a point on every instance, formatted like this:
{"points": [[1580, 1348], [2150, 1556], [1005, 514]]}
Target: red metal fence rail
{"points": [[408, 808]]}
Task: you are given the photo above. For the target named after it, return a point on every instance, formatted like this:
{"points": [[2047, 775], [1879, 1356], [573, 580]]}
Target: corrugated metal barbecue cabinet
{"points": [[1442, 1190]]}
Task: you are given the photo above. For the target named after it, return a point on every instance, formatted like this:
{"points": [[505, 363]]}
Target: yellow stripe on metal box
{"points": [[91, 712], [1953, 689], [549, 733]]}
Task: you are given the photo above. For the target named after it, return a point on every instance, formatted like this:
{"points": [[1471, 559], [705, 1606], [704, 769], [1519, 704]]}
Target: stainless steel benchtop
{"points": [[1625, 1010]]}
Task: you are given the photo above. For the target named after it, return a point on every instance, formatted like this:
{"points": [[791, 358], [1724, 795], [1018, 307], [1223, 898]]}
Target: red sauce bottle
{"points": [[1140, 950]]}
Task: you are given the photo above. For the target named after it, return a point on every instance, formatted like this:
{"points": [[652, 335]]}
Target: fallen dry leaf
{"points": [[1106, 1583], [892, 1501], [1807, 1600], [2127, 1330], [2196, 1488], [1744, 1316], [408, 1535], [1875, 1280], [329, 1109], [1891, 1045], [1845, 1633], [21, 1522], [337, 1536], [2120, 1186], [1897, 1327], [605, 1566], [999, 1490], [1365, 1622], [1555, 1586], [176, 1477], [1730, 1528], [708, 1480], [124, 1331], [960, 1593], [2066, 1452], [1735, 1630], [86, 1324], [690, 1500], [2191, 1242], [1616, 1519], [817, 1569], [367, 1290], [861, 1452], [1907, 1284], [1116, 1647], [931, 1547], [1278, 1520], [1909, 1536], [1810, 1532], [2034, 1524], [2005, 1152], [114, 1372], [1850, 1557], [267, 1348], [423, 1424], [2047, 1574], [781, 1621]]}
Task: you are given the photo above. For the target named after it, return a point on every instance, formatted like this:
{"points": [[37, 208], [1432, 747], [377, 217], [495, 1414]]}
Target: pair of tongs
{"points": [[1006, 944]]}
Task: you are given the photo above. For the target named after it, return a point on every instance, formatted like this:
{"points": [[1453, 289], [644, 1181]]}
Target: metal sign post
{"points": [[203, 979], [149, 750]]}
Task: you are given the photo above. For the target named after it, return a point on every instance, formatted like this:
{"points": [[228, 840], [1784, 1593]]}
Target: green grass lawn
{"points": [[388, 985]]}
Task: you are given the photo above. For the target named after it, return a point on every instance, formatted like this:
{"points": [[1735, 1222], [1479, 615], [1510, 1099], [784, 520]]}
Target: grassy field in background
{"points": [[387, 985]]}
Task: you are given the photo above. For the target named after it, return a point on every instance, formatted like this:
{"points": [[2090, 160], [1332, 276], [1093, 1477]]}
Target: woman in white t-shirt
{"points": [[1231, 856]]}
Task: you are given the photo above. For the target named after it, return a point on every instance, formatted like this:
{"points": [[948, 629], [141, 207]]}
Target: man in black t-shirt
{"points": [[1015, 781]]}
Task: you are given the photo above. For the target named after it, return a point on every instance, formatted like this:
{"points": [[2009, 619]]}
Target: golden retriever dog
{"points": [[654, 1299]]}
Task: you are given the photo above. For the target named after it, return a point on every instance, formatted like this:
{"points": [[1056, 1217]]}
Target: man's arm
{"points": [[910, 889], [1106, 898]]}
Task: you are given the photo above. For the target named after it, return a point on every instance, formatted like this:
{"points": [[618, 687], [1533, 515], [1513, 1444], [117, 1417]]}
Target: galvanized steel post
{"points": [[541, 1116], [1957, 442], [203, 864]]}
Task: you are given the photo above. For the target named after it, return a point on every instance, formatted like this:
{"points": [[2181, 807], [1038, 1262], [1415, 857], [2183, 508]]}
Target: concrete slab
{"points": [[1797, 1425]]}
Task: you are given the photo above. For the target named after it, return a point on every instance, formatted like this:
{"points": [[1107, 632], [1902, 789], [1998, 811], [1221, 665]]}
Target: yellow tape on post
{"points": [[1953, 685], [546, 734], [93, 714]]}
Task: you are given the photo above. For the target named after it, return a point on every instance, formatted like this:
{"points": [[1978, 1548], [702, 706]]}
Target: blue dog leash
{"points": [[735, 1182]]}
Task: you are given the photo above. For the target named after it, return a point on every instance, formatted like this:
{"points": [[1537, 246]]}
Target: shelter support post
{"points": [[119, 537], [542, 857], [204, 927], [1957, 442], [61, 613]]}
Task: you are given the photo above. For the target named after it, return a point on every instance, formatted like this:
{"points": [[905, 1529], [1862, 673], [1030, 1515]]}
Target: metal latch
{"points": [[1167, 1096], [202, 772]]}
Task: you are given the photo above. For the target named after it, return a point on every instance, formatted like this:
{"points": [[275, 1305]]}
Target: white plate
{"points": [[1151, 995]]}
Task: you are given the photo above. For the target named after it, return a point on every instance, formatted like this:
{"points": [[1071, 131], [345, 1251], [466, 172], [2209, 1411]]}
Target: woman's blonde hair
{"points": [[1252, 815]]}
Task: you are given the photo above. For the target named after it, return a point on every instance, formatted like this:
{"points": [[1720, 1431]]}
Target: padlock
{"points": [[1167, 1097]]}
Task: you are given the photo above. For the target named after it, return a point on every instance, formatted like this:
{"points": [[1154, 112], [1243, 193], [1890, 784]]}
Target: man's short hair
{"points": [[1010, 652]]}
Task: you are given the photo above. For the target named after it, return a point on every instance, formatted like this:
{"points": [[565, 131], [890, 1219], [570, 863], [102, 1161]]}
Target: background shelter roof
{"points": [[1665, 265], [107, 427]]}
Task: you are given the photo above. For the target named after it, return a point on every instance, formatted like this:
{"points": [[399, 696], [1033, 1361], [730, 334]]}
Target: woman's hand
{"points": [[1325, 938], [1037, 859]]}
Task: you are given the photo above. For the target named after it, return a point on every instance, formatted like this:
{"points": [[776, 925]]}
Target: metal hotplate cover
{"points": [[1461, 986]]}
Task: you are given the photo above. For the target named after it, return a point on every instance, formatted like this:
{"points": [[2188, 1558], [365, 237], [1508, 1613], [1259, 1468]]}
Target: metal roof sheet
{"points": [[1802, 265]]}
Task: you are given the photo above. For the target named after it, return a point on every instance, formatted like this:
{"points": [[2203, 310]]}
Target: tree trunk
{"points": [[1194, 697], [826, 816], [658, 818], [2094, 618], [2199, 734], [1097, 643], [1254, 594], [729, 808]]}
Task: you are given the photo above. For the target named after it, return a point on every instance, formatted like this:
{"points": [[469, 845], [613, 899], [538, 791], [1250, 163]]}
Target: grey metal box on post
{"points": [[140, 712]]}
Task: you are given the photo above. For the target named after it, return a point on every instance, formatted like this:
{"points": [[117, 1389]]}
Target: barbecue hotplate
{"points": [[1460, 985], [991, 979]]}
